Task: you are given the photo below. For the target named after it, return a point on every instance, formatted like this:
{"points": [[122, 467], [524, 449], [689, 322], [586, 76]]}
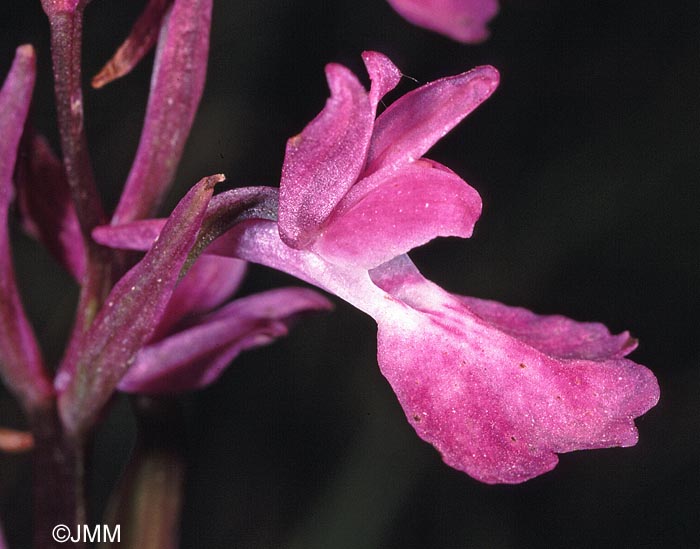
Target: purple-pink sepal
{"points": [[21, 363], [45, 204], [143, 36], [176, 88], [462, 20], [198, 353]]}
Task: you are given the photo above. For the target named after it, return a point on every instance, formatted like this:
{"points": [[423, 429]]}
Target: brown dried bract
{"points": [[142, 38], [15, 442]]}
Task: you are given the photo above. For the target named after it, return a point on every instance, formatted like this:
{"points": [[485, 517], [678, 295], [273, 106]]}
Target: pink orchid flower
{"points": [[461, 20], [499, 391]]}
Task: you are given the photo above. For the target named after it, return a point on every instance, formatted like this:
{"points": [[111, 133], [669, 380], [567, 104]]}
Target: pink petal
{"points": [[197, 356], [461, 20], [416, 121], [21, 364], [133, 309], [141, 39], [210, 281], [137, 235], [495, 405], [325, 159], [48, 213], [383, 74], [176, 88], [554, 335], [406, 209]]}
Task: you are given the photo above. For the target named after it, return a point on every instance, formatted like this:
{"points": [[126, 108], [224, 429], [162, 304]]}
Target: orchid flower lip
{"points": [[507, 389]]}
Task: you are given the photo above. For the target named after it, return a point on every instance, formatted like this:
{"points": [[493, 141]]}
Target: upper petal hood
{"points": [[348, 180], [325, 160]]}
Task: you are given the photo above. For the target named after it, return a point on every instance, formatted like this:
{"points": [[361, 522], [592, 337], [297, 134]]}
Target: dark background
{"points": [[587, 162]]}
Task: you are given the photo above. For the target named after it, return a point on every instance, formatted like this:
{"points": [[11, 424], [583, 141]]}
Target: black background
{"points": [[587, 161]]}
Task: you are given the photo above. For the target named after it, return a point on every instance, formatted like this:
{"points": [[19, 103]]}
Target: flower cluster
{"points": [[499, 391], [166, 325]]}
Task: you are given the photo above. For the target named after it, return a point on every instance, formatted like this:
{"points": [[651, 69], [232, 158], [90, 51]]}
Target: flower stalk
{"points": [[66, 48]]}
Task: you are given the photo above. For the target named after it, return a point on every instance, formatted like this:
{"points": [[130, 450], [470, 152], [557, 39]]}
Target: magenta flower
{"points": [[461, 20], [499, 391]]}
